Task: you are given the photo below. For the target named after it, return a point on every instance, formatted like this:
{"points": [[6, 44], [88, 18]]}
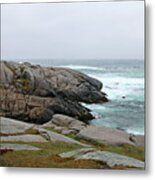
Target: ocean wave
{"points": [[125, 90], [82, 67]]}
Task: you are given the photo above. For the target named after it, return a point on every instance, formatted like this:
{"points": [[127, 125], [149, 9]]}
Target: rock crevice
{"points": [[33, 93]]}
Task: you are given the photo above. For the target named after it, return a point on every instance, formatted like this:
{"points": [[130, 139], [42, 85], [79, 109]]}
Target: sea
{"points": [[123, 82]]}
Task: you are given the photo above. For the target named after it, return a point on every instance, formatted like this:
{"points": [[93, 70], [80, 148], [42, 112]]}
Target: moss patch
{"points": [[32, 131]]}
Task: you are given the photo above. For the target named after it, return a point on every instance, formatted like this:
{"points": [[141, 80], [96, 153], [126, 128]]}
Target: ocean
{"points": [[123, 82]]}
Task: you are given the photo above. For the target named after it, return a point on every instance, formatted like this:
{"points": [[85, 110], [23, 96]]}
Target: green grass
{"points": [[126, 149], [47, 157], [31, 131]]}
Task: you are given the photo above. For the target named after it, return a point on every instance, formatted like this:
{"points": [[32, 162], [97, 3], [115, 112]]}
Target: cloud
{"points": [[73, 31]]}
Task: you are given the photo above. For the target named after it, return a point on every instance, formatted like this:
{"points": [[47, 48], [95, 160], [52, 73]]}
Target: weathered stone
{"points": [[61, 120], [139, 140], [40, 115], [53, 136], [59, 129], [69, 131], [12, 126], [43, 81], [34, 93], [18, 147], [105, 135], [65, 124], [23, 138], [49, 124], [38, 109], [77, 153], [111, 159]]}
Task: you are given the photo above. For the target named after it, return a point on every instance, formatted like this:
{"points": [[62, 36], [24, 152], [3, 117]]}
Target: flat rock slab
{"points": [[52, 136], [111, 159], [23, 138], [105, 135], [11, 126], [18, 147], [77, 153]]}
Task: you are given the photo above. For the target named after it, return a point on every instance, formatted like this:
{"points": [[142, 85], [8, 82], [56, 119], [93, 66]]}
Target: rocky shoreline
{"points": [[34, 93], [43, 105]]}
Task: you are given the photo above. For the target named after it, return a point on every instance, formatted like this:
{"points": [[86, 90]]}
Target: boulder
{"points": [[66, 121], [65, 124], [105, 135]]}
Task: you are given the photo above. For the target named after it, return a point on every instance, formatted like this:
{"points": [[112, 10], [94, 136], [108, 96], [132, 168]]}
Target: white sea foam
{"points": [[125, 89], [83, 67]]}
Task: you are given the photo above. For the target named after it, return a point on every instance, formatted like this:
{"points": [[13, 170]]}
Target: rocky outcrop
{"points": [[33, 93], [38, 110], [51, 82]]}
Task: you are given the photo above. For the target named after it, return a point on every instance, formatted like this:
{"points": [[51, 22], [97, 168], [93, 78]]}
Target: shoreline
{"points": [[41, 111]]}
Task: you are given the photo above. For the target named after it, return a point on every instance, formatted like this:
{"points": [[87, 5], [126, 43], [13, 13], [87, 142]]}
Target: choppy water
{"points": [[123, 81]]}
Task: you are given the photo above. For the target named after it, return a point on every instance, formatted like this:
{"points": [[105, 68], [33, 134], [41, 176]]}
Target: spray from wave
{"points": [[124, 86]]}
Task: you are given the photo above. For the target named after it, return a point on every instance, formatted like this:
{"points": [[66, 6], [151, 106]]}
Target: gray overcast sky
{"points": [[73, 31]]}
